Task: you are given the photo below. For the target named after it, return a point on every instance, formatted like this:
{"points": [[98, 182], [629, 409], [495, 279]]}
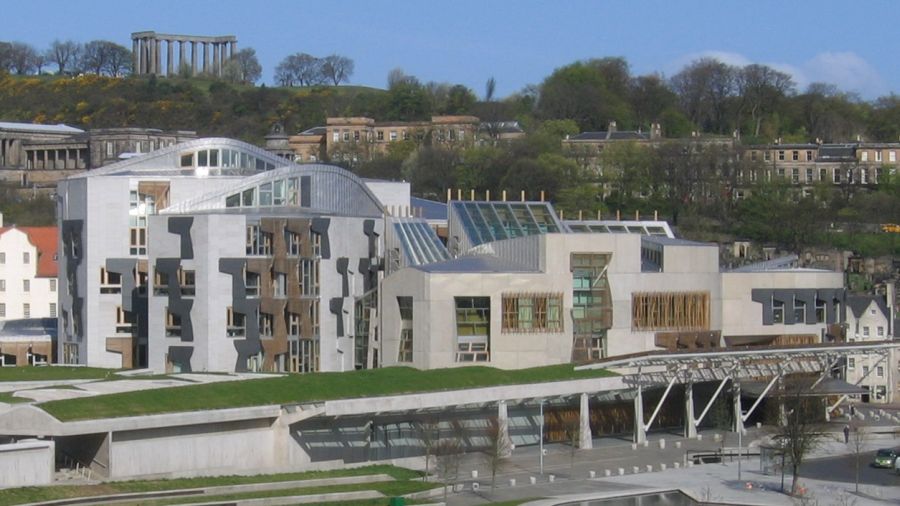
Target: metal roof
{"points": [[419, 243], [431, 210], [485, 222], [34, 127], [475, 264], [644, 227]]}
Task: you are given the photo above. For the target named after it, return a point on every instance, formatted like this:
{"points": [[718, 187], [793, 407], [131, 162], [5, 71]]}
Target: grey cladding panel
{"points": [[249, 307], [72, 238], [177, 305], [336, 306], [320, 226], [181, 225], [181, 355], [305, 191]]}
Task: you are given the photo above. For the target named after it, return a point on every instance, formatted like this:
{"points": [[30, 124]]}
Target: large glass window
{"points": [[405, 305], [473, 327], [532, 313]]}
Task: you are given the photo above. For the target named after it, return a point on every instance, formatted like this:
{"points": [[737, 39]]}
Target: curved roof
{"points": [[167, 161], [321, 188]]}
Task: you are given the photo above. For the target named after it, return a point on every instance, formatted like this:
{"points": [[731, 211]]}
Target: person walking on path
{"points": [[846, 433]]}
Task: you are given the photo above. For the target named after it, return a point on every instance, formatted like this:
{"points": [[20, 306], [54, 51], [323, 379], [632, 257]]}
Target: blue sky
{"points": [[851, 44]]}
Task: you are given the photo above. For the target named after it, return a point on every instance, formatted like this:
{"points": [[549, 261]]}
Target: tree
{"points": [[64, 55], [449, 453], [650, 98], [581, 92], [21, 58], [498, 449], [703, 88], [397, 76], [118, 60], [243, 67], [429, 434], [299, 69], [102, 57], [489, 89], [801, 430], [337, 69], [859, 436], [762, 90]]}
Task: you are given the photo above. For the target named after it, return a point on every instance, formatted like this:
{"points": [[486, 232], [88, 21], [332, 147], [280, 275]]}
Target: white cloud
{"points": [[845, 69]]}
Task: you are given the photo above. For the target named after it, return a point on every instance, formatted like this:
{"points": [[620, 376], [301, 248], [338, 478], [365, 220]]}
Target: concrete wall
{"points": [[208, 449], [27, 463]]}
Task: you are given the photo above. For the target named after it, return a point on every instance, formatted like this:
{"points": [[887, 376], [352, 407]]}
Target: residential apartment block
{"points": [[869, 318], [28, 269]]}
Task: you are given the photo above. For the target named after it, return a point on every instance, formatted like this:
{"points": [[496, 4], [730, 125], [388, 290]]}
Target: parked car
{"points": [[885, 457]]}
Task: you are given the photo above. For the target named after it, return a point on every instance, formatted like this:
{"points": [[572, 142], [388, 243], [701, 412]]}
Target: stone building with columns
{"points": [[208, 55], [37, 156]]}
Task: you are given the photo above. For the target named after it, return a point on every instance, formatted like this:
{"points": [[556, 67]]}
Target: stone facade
{"points": [[147, 51]]}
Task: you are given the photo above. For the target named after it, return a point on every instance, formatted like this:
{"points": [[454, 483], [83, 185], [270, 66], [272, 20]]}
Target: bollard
{"points": [[634, 446], [649, 468], [551, 478], [607, 473], [759, 425], [677, 444], [592, 474], [474, 473], [458, 487], [676, 465], [662, 467], [690, 463], [699, 437], [717, 438], [475, 486], [533, 480], [512, 482], [621, 471], [635, 470], [646, 444], [662, 444]]}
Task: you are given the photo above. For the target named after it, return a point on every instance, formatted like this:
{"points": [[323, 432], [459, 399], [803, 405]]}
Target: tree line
{"points": [[100, 57]]}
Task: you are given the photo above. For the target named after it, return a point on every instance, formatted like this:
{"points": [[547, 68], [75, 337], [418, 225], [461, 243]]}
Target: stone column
{"points": [[233, 48], [205, 57], [158, 61], [690, 428], [223, 48], [193, 57], [170, 55], [180, 56], [135, 57], [585, 438], [145, 56]]}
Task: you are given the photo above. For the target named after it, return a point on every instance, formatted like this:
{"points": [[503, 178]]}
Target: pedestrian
{"points": [[846, 433], [852, 410]]}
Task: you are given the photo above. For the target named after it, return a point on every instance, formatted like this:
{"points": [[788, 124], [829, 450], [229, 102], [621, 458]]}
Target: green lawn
{"points": [[8, 398], [53, 373], [38, 494], [297, 388]]}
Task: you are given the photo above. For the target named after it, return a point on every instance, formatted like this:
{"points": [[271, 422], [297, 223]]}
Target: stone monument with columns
{"points": [[147, 51]]}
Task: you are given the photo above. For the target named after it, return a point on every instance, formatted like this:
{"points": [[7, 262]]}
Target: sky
{"points": [[518, 42]]}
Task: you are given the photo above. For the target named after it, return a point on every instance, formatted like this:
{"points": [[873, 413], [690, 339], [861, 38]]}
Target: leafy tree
{"points": [[408, 101], [650, 98], [581, 92], [300, 69], [703, 88], [337, 69], [102, 57], [243, 67], [460, 100], [884, 121], [762, 90], [21, 58], [64, 54]]}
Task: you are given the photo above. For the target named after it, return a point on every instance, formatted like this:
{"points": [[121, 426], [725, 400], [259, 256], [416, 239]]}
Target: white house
{"points": [[28, 268]]}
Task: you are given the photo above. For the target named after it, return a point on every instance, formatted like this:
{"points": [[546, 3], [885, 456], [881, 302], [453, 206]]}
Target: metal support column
{"points": [[640, 434], [503, 428], [690, 426], [738, 412]]}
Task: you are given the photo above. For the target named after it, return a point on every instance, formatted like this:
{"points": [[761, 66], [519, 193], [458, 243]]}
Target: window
{"points": [[309, 277], [2, 309], [292, 240], [346, 136], [279, 284], [293, 324], [187, 279], [379, 135], [670, 311], [124, 321], [251, 283], [851, 363], [53, 285], [836, 175], [187, 160], [892, 156], [809, 156], [473, 324], [795, 175], [767, 155], [316, 239], [356, 135], [795, 156], [877, 156], [879, 371], [137, 244], [866, 331], [336, 136], [809, 175], [26, 285], [265, 324], [109, 149], [160, 283], [777, 311], [314, 317], [780, 171], [799, 311], [173, 324], [2, 257], [405, 305], [393, 136], [110, 282], [820, 311], [865, 156], [865, 370], [532, 313], [235, 323], [781, 155], [823, 174], [26, 310], [2, 285], [863, 176], [880, 331], [259, 243], [26, 258]]}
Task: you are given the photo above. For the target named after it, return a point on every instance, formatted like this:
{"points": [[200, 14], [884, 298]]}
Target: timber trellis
{"points": [[670, 311]]}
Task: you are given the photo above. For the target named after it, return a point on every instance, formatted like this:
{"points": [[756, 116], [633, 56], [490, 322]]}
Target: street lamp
{"points": [[541, 436]]}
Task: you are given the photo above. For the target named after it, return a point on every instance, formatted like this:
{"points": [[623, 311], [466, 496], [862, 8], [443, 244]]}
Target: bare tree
{"points": [[118, 60], [761, 89], [703, 87], [337, 68], [489, 89], [802, 430], [21, 58], [859, 436], [429, 435], [299, 69], [103, 57], [448, 452], [498, 448], [64, 55]]}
